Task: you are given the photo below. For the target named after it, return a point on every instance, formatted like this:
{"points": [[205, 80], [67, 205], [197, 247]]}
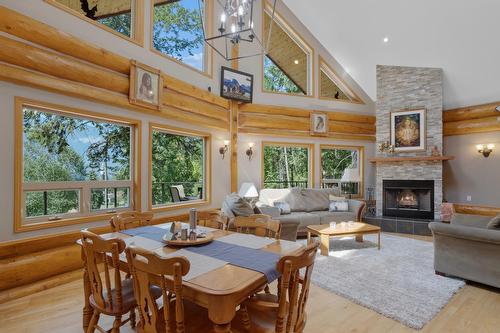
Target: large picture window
{"points": [[177, 32], [123, 18], [342, 167], [179, 167], [72, 165], [287, 165], [287, 67]]}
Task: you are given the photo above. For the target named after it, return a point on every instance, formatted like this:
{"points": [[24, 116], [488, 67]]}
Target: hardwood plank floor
{"points": [[473, 309]]}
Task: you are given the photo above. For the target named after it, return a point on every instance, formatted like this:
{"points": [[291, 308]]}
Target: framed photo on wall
{"points": [[408, 130], [236, 85], [145, 85], [319, 123]]}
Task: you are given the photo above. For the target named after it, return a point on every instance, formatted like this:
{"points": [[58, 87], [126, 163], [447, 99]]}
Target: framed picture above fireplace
{"points": [[408, 130]]}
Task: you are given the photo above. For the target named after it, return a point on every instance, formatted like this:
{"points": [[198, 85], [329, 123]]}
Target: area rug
{"points": [[398, 281]]}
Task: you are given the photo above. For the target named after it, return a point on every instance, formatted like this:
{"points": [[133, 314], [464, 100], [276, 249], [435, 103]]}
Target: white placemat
{"points": [[246, 240], [200, 264], [141, 242]]}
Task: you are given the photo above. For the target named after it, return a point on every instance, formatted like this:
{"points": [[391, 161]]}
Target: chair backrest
{"points": [[147, 269], [259, 225], [129, 220], [177, 193], [106, 252], [293, 289], [213, 219]]}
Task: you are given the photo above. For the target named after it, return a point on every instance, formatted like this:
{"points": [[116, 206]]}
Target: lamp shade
{"points": [[248, 190]]}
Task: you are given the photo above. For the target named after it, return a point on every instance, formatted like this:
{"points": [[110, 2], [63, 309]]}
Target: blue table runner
{"points": [[256, 260]]}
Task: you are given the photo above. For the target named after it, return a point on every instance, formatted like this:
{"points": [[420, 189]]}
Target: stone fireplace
{"points": [[415, 188]]}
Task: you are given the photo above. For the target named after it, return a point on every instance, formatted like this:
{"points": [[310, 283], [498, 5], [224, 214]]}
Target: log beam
{"points": [[471, 112], [480, 125], [304, 134]]}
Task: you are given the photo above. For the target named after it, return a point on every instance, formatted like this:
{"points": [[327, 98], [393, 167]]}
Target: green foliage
{"points": [[176, 159], [276, 80], [120, 23], [176, 30], [335, 161], [286, 167]]}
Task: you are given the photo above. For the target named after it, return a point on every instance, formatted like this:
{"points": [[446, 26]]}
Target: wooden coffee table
{"points": [[324, 232]]}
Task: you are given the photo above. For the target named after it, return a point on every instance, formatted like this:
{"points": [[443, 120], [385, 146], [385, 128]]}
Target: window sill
{"points": [[181, 205], [21, 227]]}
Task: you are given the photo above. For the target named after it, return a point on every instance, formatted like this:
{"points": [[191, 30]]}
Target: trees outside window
{"points": [[286, 166], [178, 159], [73, 165], [276, 80], [342, 167], [177, 32]]}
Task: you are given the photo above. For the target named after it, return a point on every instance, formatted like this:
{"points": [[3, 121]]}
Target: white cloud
{"points": [[88, 139], [195, 60]]}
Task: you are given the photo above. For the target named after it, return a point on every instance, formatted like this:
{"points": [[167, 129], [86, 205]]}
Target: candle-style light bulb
{"points": [[233, 28], [223, 18], [240, 10]]}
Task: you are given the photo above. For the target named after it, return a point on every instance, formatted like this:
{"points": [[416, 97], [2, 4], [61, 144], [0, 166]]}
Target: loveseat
{"points": [[468, 247], [307, 207]]}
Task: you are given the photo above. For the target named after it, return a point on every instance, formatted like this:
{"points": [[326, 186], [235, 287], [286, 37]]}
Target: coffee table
{"points": [[324, 232]]}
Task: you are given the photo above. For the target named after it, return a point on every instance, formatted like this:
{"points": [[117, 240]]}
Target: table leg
{"points": [[359, 238], [221, 311], [325, 245], [222, 328], [88, 311], [379, 240]]}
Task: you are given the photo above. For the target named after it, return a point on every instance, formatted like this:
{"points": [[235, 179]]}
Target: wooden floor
{"points": [[474, 309]]}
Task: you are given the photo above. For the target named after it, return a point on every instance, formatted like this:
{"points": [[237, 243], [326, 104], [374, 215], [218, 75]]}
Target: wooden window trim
{"points": [[207, 165], [361, 150], [208, 56], [135, 190], [137, 21], [308, 49], [311, 152], [324, 67]]}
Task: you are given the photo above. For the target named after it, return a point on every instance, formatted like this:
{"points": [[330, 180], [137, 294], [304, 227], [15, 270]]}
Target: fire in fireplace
{"points": [[408, 198]]}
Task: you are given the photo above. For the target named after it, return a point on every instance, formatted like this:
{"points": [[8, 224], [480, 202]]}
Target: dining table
{"points": [[217, 285]]}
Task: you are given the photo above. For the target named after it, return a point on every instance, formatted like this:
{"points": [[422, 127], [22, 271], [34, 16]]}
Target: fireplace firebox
{"points": [[408, 198]]}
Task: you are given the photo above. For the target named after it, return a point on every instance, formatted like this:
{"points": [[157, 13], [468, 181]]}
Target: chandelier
{"points": [[235, 26]]}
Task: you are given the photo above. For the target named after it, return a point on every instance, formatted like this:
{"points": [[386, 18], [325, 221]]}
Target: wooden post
{"points": [[234, 130]]}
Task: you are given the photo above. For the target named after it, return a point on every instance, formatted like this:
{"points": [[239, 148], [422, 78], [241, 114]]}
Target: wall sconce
{"points": [[223, 150], [249, 151], [485, 149]]}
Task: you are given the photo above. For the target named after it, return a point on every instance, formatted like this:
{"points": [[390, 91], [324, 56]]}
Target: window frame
{"points": [[311, 181], [300, 41], [361, 161], [137, 21], [207, 172], [324, 67], [37, 223], [208, 56]]}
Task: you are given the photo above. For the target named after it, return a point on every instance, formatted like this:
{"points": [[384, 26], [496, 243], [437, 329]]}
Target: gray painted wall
{"points": [[470, 174]]}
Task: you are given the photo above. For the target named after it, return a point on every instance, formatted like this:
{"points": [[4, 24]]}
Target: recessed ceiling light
{"points": [[296, 62], [498, 108], [386, 39]]}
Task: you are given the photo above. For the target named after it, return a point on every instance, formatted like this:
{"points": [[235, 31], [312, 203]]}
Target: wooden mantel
{"points": [[410, 159]]}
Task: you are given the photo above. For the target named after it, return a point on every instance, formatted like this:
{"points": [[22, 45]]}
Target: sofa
{"points": [[468, 247], [307, 207]]}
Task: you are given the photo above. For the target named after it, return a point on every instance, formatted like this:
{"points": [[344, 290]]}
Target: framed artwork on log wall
{"points": [[319, 123], [146, 85]]}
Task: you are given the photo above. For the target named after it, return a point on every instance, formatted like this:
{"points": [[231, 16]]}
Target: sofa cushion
{"points": [[283, 206], [295, 200], [315, 199], [339, 206], [327, 217], [469, 220], [494, 223], [268, 196], [238, 205], [304, 218]]}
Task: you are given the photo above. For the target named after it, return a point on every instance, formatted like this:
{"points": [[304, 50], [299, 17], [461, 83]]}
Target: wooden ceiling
{"points": [[328, 89], [284, 51], [104, 7]]}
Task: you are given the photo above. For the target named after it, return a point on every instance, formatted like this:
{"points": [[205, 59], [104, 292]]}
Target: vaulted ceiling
{"points": [[460, 36]]}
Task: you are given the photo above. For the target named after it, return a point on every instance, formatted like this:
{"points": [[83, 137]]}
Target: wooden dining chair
{"points": [[285, 311], [112, 297], [168, 312], [259, 225], [213, 219], [129, 220]]}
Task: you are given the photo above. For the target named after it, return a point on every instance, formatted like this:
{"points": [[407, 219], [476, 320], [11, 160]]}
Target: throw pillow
{"points": [[339, 206], [238, 205], [335, 198], [494, 223], [283, 206]]}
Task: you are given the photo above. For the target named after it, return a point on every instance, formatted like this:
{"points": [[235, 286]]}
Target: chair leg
{"points": [[116, 324], [245, 317], [132, 318], [93, 322]]}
